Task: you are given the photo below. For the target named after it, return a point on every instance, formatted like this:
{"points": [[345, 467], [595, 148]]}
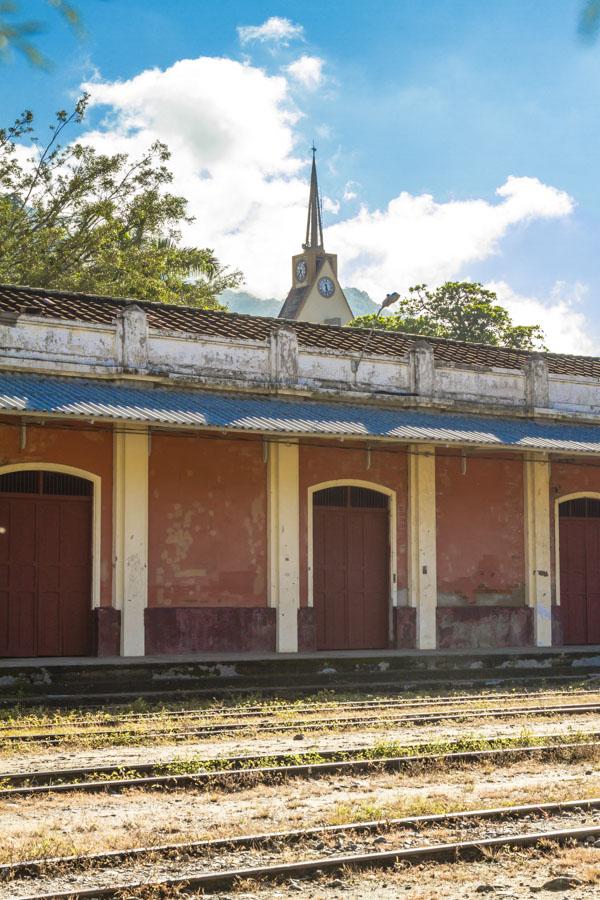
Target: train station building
{"points": [[184, 481], [180, 481]]}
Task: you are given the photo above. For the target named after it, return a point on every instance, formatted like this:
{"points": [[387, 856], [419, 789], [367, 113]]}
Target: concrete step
{"points": [[29, 679]]}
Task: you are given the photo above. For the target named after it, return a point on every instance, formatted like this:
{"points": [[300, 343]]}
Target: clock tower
{"points": [[315, 295]]}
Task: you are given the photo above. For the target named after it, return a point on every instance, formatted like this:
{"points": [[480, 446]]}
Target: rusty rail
{"points": [[242, 771]]}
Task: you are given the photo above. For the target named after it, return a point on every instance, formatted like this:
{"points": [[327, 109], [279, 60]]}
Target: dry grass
{"points": [[508, 873], [92, 823]]}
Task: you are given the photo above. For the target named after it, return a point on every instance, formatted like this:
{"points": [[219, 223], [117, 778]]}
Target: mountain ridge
{"points": [[244, 302]]}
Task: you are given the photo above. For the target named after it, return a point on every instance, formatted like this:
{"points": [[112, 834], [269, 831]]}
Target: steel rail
{"points": [[244, 761], [432, 853], [98, 700], [32, 868], [312, 724], [250, 710], [259, 774]]}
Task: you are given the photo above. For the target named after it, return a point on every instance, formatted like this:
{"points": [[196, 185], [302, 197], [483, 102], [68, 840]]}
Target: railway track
{"points": [[269, 708], [214, 865], [240, 771], [283, 725], [99, 700]]}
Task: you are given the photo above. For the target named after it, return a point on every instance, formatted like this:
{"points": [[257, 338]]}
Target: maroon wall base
{"points": [[484, 627], [218, 629], [307, 632], [405, 628], [558, 632], [107, 631]]}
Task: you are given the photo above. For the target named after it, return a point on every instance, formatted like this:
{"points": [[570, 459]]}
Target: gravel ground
{"points": [[84, 823], [31, 758], [46, 826], [511, 875], [155, 869]]}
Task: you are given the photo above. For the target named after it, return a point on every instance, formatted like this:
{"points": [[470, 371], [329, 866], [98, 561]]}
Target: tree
{"points": [[589, 20], [461, 310], [17, 33], [75, 219]]}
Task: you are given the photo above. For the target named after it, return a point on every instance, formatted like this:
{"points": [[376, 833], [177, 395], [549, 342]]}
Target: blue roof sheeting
{"points": [[95, 399]]}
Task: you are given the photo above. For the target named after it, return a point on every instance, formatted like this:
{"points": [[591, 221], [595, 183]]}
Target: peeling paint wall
{"points": [[90, 449], [207, 522], [387, 468], [480, 530]]}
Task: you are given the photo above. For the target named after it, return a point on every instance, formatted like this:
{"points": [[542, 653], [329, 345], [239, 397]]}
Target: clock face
{"points": [[301, 269], [326, 287]]}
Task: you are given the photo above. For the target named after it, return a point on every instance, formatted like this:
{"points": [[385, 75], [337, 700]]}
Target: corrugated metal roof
{"points": [[51, 304], [77, 398]]}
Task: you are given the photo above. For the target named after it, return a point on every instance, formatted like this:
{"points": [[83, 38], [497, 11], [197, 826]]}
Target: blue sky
{"points": [[447, 98]]}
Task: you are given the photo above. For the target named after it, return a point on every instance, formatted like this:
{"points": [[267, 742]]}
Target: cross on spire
{"points": [[314, 226]]}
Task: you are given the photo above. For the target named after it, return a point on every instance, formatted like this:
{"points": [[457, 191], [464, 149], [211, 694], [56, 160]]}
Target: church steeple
{"points": [[314, 225], [315, 295]]}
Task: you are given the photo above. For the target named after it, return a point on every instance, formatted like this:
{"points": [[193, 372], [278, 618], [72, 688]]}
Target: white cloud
{"points": [[332, 206], [232, 132], [230, 128], [350, 191], [415, 239], [565, 326], [275, 30], [307, 71]]}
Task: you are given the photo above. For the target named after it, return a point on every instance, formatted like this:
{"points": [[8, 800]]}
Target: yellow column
{"points": [[422, 567], [284, 541], [130, 536], [537, 546]]}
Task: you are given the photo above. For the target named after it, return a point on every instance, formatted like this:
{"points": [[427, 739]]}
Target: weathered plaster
{"points": [[130, 584], [422, 558], [480, 530], [207, 522], [128, 347], [477, 628], [537, 546], [284, 567]]}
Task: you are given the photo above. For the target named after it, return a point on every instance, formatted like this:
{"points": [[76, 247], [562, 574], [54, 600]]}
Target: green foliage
{"points": [[589, 20], [75, 219], [17, 33], [461, 310]]}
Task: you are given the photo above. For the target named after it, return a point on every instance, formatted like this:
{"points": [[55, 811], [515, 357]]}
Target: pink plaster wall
{"points": [[84, 447], [207, 522], [480, 530], [328, 463]]}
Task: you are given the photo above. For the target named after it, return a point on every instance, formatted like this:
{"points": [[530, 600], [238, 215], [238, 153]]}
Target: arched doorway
{"points": [[351, 568], [579, 549], [45, 563]]}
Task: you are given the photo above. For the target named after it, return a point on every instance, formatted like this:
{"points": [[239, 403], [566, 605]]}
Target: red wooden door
{"points": [[351, 563], [45, 573], [579, 535]]}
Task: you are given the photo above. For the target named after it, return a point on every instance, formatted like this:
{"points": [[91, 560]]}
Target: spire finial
{"points": [[314, 225]]}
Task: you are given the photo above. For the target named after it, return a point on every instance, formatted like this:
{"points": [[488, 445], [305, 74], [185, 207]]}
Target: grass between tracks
{"points": [[25, 717], [507, 872], [64, 827], [380, 751], [162, 727]]}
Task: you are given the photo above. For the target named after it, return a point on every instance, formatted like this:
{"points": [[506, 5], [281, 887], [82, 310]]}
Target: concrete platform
{"points": [[57, 679], [201, 658]]}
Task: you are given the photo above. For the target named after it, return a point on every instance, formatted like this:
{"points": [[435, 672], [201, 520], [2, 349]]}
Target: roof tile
{"points": [[53, 304]]}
